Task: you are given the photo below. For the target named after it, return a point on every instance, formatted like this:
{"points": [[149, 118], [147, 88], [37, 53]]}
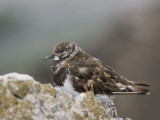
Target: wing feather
{"points": [[101, 79], [93, 78]]}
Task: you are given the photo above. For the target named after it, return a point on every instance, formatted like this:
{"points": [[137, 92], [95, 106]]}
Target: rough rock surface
{"points": [[23, 98]]}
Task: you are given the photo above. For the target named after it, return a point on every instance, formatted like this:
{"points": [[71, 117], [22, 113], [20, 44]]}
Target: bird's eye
{"points": [[61, 50]]}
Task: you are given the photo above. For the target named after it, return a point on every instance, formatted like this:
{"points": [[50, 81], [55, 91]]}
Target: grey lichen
{"points": [[22, 98]]}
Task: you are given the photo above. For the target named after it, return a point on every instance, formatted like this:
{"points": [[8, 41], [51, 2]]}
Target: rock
{"points": [[23, 98]]}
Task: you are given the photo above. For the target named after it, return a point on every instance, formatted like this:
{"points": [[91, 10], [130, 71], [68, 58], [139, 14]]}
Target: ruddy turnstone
{"points": [[76, 71]]}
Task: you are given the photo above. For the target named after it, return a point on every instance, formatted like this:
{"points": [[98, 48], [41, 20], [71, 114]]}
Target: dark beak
{"points": [[49, 57]]}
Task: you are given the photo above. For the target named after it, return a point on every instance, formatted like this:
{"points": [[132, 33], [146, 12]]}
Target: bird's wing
{"points": [[101, 79]]}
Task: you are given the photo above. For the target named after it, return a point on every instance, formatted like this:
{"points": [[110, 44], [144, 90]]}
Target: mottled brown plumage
{"points": [[87, 73]]}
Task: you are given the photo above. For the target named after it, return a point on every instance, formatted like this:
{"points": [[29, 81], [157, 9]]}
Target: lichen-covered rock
{"points": [[22, 98]]}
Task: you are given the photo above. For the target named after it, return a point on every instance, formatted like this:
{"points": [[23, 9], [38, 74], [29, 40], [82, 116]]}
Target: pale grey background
{"points": [[124, 34]]}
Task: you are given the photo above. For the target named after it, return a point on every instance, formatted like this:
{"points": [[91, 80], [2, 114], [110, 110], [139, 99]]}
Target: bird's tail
{"points": [[140, 84], [133, 88]]}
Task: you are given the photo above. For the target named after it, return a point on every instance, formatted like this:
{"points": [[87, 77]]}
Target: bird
{"points": [[76, 71]]}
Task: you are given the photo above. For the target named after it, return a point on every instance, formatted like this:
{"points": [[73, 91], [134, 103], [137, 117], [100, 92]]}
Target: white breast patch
{"points": [[68, 86]]}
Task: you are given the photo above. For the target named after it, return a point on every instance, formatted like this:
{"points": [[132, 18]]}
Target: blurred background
{"points": [[124, 34]]}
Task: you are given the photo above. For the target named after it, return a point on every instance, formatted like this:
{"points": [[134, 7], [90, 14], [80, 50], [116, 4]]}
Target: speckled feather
{"points": [[88, 73]]}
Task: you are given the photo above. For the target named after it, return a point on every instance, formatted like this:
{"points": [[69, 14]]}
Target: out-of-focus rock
{"points": [[22, 98]]}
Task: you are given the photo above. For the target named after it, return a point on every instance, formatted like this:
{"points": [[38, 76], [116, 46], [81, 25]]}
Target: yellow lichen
{"points": [[93, 105], [18, 88], [77, 116], [38, 87], [48, 88]]}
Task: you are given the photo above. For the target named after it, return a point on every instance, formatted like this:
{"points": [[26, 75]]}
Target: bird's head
{"points": [[62, 51]]}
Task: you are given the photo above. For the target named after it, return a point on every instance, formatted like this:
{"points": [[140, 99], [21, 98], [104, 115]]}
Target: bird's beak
{"points": [[49, 57]]}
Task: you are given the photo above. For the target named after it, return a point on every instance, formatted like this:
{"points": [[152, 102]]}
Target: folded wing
{"points": [[101, 79]]}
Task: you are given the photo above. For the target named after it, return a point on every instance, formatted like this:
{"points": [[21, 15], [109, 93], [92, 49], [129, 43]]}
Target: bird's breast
{"points": [[59, 72]]}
